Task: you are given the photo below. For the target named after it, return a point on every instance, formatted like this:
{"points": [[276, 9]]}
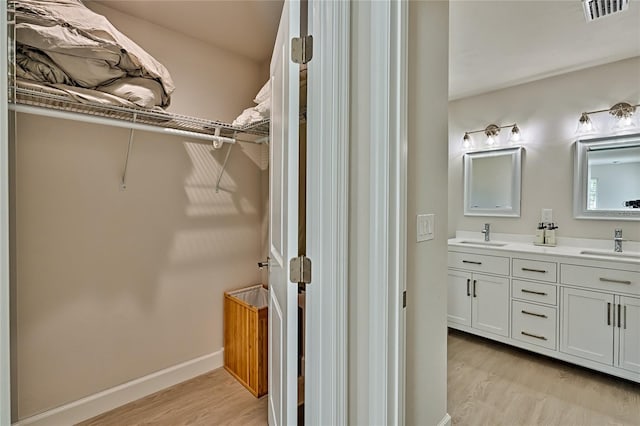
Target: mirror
{"points": [[606, 182], [492, 182]]}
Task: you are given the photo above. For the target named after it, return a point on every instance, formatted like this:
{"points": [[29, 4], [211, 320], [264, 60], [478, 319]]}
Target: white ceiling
{"points": [[493, 44], [497, 44]]}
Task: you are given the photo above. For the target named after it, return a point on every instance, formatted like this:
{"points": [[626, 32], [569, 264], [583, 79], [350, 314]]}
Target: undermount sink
{"points": [[483, 243], [624, 255]]}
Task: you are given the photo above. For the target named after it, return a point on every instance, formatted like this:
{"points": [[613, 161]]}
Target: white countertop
{"points": [[572, 247]]}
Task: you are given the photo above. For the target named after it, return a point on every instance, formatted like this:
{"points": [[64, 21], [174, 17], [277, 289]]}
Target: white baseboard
{"points": [[446, 420], [109, 399]]}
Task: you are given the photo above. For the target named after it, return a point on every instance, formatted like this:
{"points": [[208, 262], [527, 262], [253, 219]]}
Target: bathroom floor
{"points": [[489, 384], [495, 384]]}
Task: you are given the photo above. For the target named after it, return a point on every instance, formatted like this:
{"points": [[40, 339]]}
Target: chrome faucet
{"points": [[617, 240], [487, 231]]}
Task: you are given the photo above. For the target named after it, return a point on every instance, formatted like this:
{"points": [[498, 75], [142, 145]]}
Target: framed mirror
{"points": [[492, 181], [606, 182]]}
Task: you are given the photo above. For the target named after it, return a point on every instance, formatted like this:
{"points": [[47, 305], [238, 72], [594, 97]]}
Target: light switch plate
{"points": [[546, 216], [425, 227]]}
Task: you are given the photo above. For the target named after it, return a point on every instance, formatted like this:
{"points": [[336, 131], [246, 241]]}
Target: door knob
{"points": [[264, 263]]}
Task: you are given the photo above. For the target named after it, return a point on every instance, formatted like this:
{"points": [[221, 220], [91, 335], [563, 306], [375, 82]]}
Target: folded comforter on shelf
{"points": [[63, 43]]}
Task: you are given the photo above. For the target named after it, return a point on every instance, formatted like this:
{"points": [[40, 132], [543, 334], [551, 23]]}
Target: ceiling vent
{"points": [[596, 9]]}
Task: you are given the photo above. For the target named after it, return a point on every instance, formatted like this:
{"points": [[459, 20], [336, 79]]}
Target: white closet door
{"points": [[283, 222]]}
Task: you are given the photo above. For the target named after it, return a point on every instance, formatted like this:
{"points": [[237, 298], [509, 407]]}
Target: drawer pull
{"points": [[539, 293], [619, 309], [534, 314], [474, 289], [542, 271], [468, 282], [609, 280], [472, 262], [625, 317], [535, 336], [608, 313]]}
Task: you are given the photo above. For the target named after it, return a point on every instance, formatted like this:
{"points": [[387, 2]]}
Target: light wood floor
{"points": [[215, 398], [495, 384], [489, 384]]}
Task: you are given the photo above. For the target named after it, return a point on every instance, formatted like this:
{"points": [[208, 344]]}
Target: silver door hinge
{"points": [[300, 270], [302, 49]]}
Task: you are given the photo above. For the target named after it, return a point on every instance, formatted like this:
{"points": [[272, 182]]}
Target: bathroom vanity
{"points": [[578, 301]]}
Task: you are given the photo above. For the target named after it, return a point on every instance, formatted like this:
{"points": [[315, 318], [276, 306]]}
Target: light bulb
{"points": [[466, 141], [515, 134], [585, 125], [490, 140], [624, 123]]}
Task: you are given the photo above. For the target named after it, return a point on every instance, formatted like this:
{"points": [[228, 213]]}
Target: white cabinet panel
{"points": [[535, 269], [534, 292], [534, 324], [479, 263], [459, 297], [629, 353], [490, 304], [587, 325], [603, 279]]}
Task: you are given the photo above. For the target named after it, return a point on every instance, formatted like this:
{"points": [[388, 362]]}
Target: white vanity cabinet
{"points": [[602, 326], [479, 300], [581, 310]]}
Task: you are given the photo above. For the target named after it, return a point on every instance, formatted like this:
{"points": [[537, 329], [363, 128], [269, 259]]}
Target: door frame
{"points": [[388, 206], [326, 351], [5, 371]]}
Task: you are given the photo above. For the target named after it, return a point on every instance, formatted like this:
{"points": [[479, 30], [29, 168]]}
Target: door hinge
{"points": [[302, 49], [300, 270], [404, 299]]}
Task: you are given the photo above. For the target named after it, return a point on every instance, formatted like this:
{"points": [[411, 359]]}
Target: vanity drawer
{"points": [[479, 263], [614, 280], [534, 292], [535, 269], [534, 324]]}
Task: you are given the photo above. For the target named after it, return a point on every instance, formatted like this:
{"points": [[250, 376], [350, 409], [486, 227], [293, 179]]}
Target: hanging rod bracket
{"points": [[224, 166], [123, 182]]}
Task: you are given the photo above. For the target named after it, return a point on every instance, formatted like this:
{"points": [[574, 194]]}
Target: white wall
{"points": [[427, 193], [547, 112], [111, 285]]}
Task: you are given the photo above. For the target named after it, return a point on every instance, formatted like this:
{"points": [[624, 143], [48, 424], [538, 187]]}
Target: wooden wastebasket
{"points": [[246, 339]]}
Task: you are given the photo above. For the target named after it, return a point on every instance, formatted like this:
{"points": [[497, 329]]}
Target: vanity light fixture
{"points": [[623, 113], [492, 131]]}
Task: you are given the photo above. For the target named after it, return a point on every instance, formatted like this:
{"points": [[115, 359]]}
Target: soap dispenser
{"points": [[550, 234], [539, 234]]}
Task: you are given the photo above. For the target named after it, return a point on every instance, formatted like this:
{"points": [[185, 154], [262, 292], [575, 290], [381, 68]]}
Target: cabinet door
{"points": [[629, 343], [490, 304], [459, 297], [587, 325]]}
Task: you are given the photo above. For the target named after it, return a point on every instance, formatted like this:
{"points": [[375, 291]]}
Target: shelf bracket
{"points": [[224, 165], [123, 182]]}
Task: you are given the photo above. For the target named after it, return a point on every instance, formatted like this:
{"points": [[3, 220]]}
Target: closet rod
{"points": [[65, 115]]}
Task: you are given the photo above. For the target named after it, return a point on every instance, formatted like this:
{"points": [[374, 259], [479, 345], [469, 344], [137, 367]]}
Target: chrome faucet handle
{"points": [[486, 231]]}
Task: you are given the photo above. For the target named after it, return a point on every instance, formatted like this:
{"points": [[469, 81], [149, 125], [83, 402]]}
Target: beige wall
{"points": [[115, 285], [427, 193], [547, 111], [210, 82]]}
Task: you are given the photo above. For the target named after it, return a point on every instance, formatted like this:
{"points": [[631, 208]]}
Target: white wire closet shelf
{"points": [[38, 98], [179, 124]]}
